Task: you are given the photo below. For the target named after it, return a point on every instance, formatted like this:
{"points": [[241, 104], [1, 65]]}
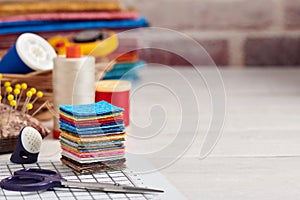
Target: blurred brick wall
{"points": [[234, 32]]}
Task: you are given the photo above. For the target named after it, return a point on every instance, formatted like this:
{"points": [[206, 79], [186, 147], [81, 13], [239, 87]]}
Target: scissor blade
{"points": [[106, 187], [146, 190]]}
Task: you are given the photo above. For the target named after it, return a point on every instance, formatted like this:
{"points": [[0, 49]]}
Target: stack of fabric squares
{"points": [[92, 137]]}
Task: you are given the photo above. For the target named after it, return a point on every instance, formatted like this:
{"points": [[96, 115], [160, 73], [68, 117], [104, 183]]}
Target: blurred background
{"points": [[235, 32]]}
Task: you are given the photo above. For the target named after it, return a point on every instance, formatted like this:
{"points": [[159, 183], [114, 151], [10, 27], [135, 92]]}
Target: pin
{"points": [[29, 106], [10, 97], [46, 103], [33, 90], [29, 95], [7, 84], [16, 92], [12, 103], [8, 90], [23, 88], [39, 95], [18, 86]]}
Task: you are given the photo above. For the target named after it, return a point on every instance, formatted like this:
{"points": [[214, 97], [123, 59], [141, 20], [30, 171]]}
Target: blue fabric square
{"points": [[91, 110]]}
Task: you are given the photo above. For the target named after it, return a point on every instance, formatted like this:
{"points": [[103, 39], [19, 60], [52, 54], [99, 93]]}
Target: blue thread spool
{"points": [[30, 53]]}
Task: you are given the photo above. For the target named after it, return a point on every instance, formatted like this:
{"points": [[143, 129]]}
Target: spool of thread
{"points": [[30, 53], [116, 92], [73, 81]]}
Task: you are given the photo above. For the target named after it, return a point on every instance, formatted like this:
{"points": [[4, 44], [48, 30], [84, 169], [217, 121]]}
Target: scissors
{"points": [[34, 179]]}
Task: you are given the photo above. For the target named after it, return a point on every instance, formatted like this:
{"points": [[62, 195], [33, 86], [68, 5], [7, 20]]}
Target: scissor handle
{"points": [[29, 183], [36, 171]]}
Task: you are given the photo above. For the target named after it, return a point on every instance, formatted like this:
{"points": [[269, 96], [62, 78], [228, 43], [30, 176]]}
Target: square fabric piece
{"points": [[101, 108]]}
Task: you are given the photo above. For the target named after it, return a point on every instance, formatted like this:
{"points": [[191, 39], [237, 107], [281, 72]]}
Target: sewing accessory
{"points": [[16, 92], [28, 146], [23, 87], [13, 103], [28, 97], [18, 86], [8, 90], [7, 84], [33, 90], [10, 97], [29, 106], [73, 81], [30, 53], [39, 95], [32, 179]]}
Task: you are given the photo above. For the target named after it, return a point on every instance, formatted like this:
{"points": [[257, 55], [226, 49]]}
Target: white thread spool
{"points": [[73, 82]]}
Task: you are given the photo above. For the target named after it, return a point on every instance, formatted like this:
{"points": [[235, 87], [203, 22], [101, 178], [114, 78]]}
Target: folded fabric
{"points": [[91, 159], [124, 70], [8, 8], [126, 66], [46, 26], [93, 150], [94, 167], [93, 135], [83, 118], [90, 110], [124, 56], [91, 131], [121, 160], [102, 145], [129, 76], [100, 15], [86, 121], [91, 125], [94, 154], [101, 138]]}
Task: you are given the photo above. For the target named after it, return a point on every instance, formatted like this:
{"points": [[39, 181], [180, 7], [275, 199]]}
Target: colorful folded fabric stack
{"points": [[127, 60], [92, 137], [64, 18]]}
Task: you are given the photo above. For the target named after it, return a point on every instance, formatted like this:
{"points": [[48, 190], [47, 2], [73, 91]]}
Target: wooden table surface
{"points": [[258, 154]]}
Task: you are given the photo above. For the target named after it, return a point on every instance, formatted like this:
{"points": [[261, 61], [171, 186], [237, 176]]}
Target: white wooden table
{"points": [[258, 154]]}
